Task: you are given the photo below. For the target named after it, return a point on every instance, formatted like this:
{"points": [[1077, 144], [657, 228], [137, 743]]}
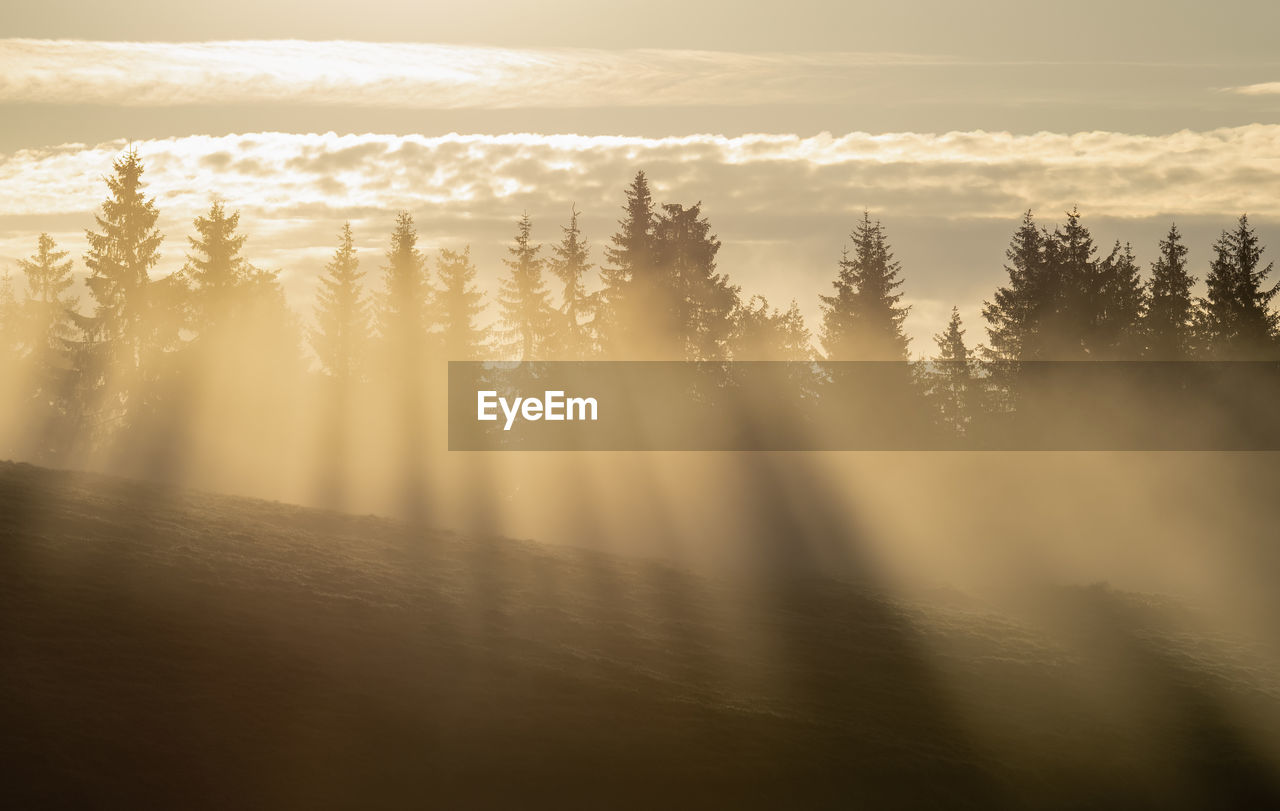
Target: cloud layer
{"points": [[958, 174], [413, 75]]}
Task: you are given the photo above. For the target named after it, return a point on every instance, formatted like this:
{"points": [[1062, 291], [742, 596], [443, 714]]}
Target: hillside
{"points": [[169, 648]]}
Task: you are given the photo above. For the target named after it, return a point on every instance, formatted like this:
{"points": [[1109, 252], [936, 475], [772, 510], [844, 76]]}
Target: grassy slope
{"points": [[177, 649]]}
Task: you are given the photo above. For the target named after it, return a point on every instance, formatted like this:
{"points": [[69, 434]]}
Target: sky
{"points": [[946, 120]]}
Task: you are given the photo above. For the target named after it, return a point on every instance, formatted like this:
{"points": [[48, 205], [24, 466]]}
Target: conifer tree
{"points": [[1073, 292], [458, 304], [863, 319], [215, 269], [50, 336], [1119, 332], [1015, 311], [342, 315], [1237, 321], [120, 349], [1170, 318], [691, 305], [523, 301], [49, 307], [11, 338], [403, 317], [569, 264], [951, 381], [762, 333], [626, 279]]}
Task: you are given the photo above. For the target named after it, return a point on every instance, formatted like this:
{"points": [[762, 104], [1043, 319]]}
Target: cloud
{"points": [[1261, 89], [416, 75], [959, 174]]}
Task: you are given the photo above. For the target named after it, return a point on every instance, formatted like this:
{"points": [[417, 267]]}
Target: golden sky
{"points": [[946, 120]]}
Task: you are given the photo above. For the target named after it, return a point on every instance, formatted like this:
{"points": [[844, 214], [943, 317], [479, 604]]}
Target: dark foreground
{"points": [[171, 649]]}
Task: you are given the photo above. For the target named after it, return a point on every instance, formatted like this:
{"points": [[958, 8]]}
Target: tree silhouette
{"points": [[627, 287], [403, 311], [1171, 312], [120, 347], [215, 268], [524, 305], [458, 305], [341, 334], [692, 305], [570, 264], [863, 319], [1073, 290], [950, 379], [1120, 307], [1015, 311], [49, 335], [761, 333], [1236, 320]]}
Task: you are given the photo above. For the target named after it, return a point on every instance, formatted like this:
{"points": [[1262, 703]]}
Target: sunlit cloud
{"points": [[413, 75], [958, 174], [1260, 89]]}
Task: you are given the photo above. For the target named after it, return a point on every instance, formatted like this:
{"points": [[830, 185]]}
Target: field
{"points": [[164, 648]]}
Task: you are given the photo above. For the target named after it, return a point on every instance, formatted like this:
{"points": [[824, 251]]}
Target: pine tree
{"points": [[1119, 332], [11, 332], [863, 320], [1073, 290], [342, 315], [1015, 312], [950, 378], [762, 333], [1061, 302], [1170, 318], [458, 304], [404, 312], [49, 307], [697, 303], [50, 336], [626, 279], [1237, 321], [215, 269], [526, 313], [570, 264], [121, 349]]}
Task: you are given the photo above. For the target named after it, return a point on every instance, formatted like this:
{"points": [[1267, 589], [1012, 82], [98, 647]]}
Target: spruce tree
{"points": [[863, 319], [623, 300], [691, 305], [403, 316], [569, 264], [50, 337], [1015, 311], [770, 334], [11, 332], [1237, 322], [1073, 292], [342, 315], [120, 350], [1119, 332], [458, 304], [1170, 318], [50, 326], [950, 378], [215, 269], [524, 304]]}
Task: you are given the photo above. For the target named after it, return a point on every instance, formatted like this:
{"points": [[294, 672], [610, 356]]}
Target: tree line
{"points": [[141, 350]]}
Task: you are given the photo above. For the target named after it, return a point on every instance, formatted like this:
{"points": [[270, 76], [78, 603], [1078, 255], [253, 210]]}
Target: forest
{"points": [[147, 374]]}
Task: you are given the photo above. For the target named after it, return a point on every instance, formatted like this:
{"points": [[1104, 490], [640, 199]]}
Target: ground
{"points": [[171, 648]]}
